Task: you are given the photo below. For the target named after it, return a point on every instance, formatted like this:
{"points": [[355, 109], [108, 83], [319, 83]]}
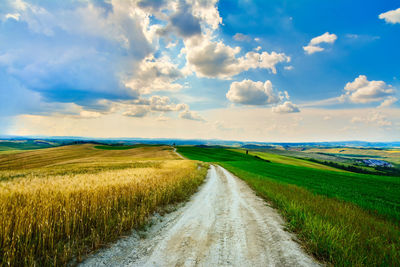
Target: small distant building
{"points": [[377, 163]]}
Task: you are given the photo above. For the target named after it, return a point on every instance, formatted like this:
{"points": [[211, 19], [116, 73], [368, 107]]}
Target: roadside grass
{"points": [[334, 231], [344, 219], [56, 213], [378, 194]]}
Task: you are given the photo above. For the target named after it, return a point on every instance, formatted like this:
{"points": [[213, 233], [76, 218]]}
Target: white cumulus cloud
{"points": [[156, 75], [286, 107], [310, 49], [388, 102], [363, 91], [216, 60], [314, 45], [208, 13], [248, 92], [392, 16], [324, 38], [156, 106]]}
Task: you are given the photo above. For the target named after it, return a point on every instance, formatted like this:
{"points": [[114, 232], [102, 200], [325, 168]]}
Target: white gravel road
{"points": [[224, 224]]}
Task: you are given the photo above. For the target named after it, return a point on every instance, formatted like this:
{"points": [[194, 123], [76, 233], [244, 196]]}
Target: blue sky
{"points": [[242, 70]]}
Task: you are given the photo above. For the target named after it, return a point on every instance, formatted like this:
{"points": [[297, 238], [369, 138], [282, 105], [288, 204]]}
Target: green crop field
{"points": [[343, 218], [290, 160]]}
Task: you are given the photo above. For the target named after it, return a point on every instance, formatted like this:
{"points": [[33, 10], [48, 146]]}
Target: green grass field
{"points": [[290, 160], [346, 219], [24, 145]]}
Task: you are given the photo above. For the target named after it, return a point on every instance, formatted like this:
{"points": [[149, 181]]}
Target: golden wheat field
{"points": [[61, 203]]}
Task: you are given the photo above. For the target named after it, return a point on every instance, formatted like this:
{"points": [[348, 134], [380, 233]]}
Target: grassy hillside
{"points": [[347, 219], [64, 202], [290, 160], [211, 154], [18, 145]]}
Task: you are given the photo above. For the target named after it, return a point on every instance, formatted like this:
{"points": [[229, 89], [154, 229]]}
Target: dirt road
{"points": [[179, 155], [224, 224]]}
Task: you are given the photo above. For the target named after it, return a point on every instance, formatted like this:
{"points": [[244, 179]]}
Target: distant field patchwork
{"points": [[391, 155]]}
